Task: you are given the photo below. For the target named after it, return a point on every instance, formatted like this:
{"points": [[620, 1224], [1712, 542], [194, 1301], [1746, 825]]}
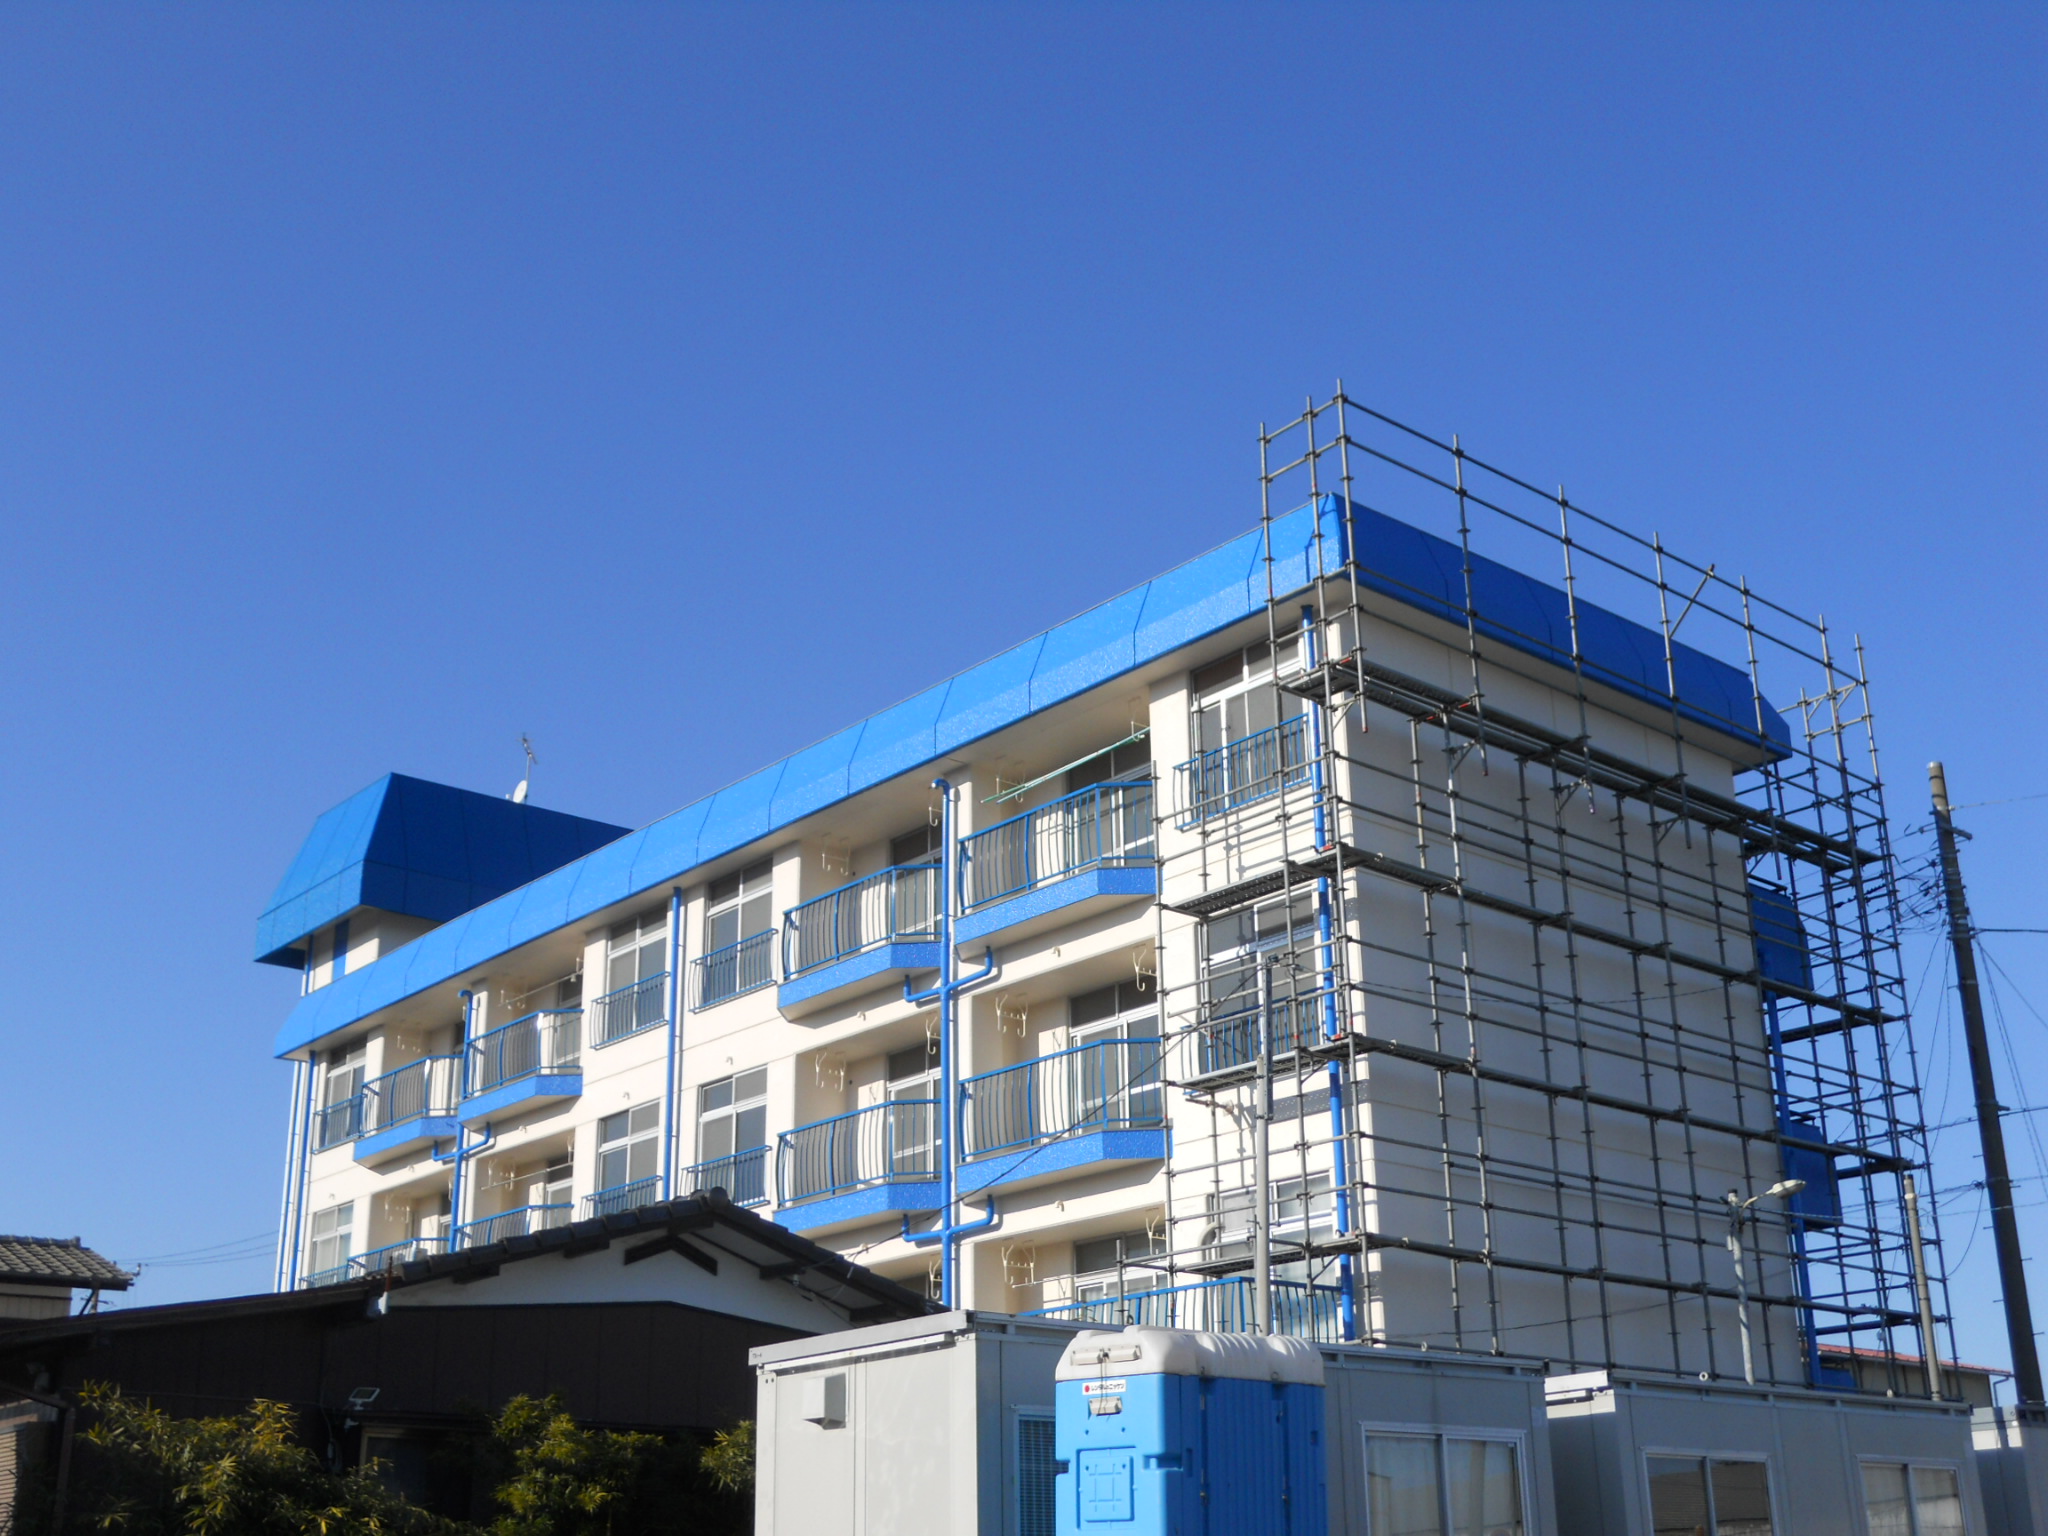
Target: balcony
{"points": [[1226, 1041], [377, 1261], [1095, 1104], [513, 1223], [1226, 778], [530, 1062], [743, 967], [859, 938], [630, 1009], [743, 1176], [1213, 1306], [1074, 855], [337, 1123], [621, 1198], [858, 1166], [409, 1108]]}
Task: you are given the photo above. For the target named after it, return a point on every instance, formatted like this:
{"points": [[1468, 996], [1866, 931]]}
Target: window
{"points": [[1279, 939], [1106, 1269], [1037, 1513], [1912, 1501], [921, 845], [1442, 1485], [333, 1235], [1130, 760], [635, 978], [739, 907], [628, 1146], [1303, 1211], [1250, 738], [1691, 1495], [913, 1080], [553, 1189], [732, 1117], [340, 1117], [1235, 698], [1113, 1060]]}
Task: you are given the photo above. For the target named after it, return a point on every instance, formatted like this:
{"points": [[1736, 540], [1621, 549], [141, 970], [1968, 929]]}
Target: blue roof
{"points": [[426, 850], [1209, 593]]}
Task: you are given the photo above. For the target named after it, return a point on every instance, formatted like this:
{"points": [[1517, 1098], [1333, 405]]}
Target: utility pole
{"points": [[2005, 1231]]}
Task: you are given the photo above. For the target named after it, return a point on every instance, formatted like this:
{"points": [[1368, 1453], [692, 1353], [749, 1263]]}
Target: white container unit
{"points": [[1635, 1454], [945, 1426]]}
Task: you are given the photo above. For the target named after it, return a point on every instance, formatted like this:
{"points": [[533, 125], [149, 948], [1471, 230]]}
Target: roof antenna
{"points": [[519, 791]]}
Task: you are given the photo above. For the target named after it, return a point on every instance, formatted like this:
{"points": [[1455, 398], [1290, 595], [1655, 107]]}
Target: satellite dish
{"points": [[519, 790]]}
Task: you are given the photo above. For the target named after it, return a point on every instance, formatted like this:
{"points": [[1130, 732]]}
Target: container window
{"points": [[1692, 1494], [1911, 1501]]}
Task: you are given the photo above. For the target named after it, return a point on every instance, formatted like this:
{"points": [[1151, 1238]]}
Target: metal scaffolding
{"points": [[1509, 979]]}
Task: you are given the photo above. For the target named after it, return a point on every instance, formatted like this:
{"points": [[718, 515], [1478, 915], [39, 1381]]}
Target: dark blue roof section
{"points": [[426, 850], [1209, 593]]}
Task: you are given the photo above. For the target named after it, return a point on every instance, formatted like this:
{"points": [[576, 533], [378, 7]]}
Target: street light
{"points": [[1737, 1209]]}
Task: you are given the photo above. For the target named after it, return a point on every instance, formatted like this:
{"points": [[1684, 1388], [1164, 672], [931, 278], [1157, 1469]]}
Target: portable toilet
{"points": [[1161, 1432]]}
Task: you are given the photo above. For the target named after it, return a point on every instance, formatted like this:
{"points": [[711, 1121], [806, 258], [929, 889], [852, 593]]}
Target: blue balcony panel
{"points": [[520, 1095], [1057, 1159], [408, 1136], [1057, 903], [869, 971], [869, 1204]]}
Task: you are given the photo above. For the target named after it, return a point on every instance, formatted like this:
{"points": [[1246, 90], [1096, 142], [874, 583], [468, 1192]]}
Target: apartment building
{"points": [[1344, 933]]}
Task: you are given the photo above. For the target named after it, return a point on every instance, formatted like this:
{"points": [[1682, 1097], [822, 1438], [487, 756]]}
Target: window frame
{"points": [[1492, 1434], [730, 1112], [1766, 1459], [626, 1143], [1910, 1464]]}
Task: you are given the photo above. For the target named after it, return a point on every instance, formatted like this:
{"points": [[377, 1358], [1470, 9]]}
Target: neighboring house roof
{"points": [[422, 849], [58, 1261], [1207, 594]]}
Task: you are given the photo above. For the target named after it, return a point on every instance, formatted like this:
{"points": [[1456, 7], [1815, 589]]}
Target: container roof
{"points": [[422, 849], [1207, 594]]}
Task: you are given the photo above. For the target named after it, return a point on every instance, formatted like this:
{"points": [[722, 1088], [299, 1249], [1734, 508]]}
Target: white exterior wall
{"points": [[830, 1061]]}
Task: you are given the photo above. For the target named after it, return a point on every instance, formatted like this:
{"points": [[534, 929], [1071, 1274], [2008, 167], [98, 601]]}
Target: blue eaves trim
{"points": [[1207, 594]]}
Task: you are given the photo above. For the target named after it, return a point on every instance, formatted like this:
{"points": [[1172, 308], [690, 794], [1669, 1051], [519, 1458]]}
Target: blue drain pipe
{"points": [[1340, 1120], [951, 985], [675, 1031]]}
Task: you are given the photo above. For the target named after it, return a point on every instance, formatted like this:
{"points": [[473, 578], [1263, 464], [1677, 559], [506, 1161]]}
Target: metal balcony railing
{"points": [[743, 1176], [548, 1041], [1104, 824], [1227, 1035], [630, 1009], [1213, 1306], [1109, 1085], [622, 1197], [1226, 777], [886, 908], [419, 1089], [376, 1261], [893, 1143], [737, 968], [338, 1122], [514, 1223]]}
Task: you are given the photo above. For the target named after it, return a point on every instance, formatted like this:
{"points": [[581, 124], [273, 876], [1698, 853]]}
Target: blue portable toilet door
{"points": [[1105, 1479]]}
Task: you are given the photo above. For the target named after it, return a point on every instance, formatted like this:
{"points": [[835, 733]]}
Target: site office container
{"points": [[945, 1426], [1613, 1432]]}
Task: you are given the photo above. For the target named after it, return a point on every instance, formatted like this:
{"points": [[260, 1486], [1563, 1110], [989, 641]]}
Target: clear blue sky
{"points": [[680, 383]]}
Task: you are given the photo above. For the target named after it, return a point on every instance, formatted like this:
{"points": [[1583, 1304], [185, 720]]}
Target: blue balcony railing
{"points": [[1228, 1034], [1213, 1306], [1108, 1085], [630, 1009], [895, 906], [737, 968], [519, 1222], [377, 1261], [621, 1197], [548, 1041], [1226, 777], [893, 1143], [743, 1176], [416, 1091], [1104, 824], [339, 1122]]}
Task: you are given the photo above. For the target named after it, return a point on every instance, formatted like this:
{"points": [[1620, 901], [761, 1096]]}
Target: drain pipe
{"points": [[951, 985], [1340, 1109], [455, 1183], [675, 1031], [300, 1173]]}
